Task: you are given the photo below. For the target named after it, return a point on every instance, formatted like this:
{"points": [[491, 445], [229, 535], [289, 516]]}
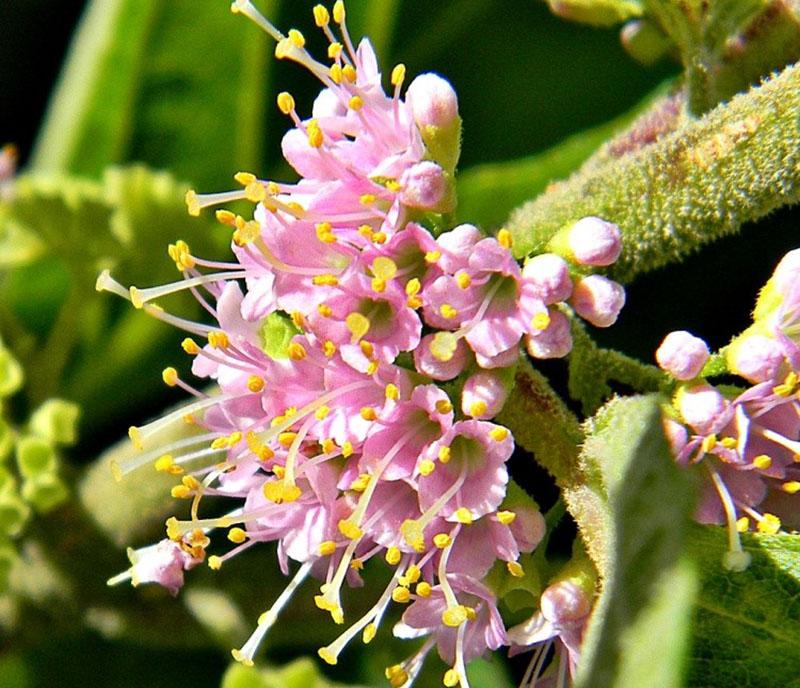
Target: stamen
{"points": [[196, 202], [141, 296], [735, 559]]}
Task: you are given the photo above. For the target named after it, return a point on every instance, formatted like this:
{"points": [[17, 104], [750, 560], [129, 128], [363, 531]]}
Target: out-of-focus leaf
{"points": [[302, 673], [639, 632], [597, 12], [172, 82], [747, 624]]}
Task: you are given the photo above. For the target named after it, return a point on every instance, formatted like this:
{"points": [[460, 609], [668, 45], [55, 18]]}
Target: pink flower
{"points": [[682, 355]]}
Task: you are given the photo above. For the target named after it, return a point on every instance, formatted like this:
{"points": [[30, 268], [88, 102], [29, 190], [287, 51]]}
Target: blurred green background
{"points": [[186, 87]]}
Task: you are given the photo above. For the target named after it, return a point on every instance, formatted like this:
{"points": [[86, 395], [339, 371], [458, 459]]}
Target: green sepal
{"points": [[35, 457], [56, 421], [276, 332]]}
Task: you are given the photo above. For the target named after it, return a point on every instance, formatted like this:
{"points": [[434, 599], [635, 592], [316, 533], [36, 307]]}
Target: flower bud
{"points": [[425, 186], [565, 603], [593, 241], [598, 299], [427, 364], [553, 342], [434, 105], [756, 358], [702, 407], [548, 277], [682, 355], [484, 394]]}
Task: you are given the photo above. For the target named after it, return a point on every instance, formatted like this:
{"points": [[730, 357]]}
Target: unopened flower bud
{"points": [[553, 342], [565, 603], [682, 355], [702, 407], [425, 186], [434, 105], [484, 394], [593, 241], [756, 358], [547, 275], [598, 299]]}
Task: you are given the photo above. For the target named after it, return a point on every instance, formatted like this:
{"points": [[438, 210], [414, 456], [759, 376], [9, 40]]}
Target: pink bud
{"points": [[598, 299], [564, 604], [427, 364], [787, 272], [553, 342], [682, 355], [702, 407], [594, 241], [433, 101], [676, 435], [756, 358], [484, 395], [424, 186], [548, 277]]}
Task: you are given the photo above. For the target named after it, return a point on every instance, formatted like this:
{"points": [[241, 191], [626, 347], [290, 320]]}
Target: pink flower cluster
{"points": [[340, 446], [747, 440]]}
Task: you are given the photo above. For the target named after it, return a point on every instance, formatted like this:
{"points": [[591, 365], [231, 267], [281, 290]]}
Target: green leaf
{"points": [[138, 86], [302, 673], [639, 632], [747, 625], [689, 187]]}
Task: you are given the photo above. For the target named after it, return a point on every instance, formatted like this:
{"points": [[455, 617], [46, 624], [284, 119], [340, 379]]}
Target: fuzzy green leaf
{"points": [[694, 185], [747, 625], [639, 633]]}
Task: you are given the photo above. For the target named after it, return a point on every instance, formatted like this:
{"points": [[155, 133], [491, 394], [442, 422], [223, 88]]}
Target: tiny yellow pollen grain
{"points": [[728, 442], [214, 562], [237, 535], [329, 348], [401, 595], [426, 467], [444, 454], [464, 516], [743, 524], [325, 280], [378, 285], [368, 635], [322, 412], [255, 383], [791, 487], [442, 540], [762, 462], [356, 564], [398, 74], [356, 103], [366, 231], [504, 238], [327, 548], [372, 368]]}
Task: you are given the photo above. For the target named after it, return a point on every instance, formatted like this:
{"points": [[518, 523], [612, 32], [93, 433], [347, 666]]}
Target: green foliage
{"points": [[302, 673], [597, 12], [696, 184], [639, 631]]}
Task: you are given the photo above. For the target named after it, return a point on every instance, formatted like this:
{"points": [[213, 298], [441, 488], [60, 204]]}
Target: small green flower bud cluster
{"points": [[31, 481]]}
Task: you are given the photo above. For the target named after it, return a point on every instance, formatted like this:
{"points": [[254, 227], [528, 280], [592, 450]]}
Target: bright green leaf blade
{"points": [[639, 632], [747, 625]]}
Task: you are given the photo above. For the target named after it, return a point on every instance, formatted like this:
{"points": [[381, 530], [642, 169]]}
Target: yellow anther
{"points": [[329, 348], [378, 285], [368, 413], [356, 103], [174, 530], [401, 595], [499, 433], [214, 562], [285, 439], [328, 446], [358, 325], [393, 556], [423, 589], [327, 656], [325, 232], [413, 535], [412, 574], [478, 408], [368, 634], [397, 676], [379, 238], [444, 454], [220, 443], [464, 515], [350, 529], [338, 11], [325, 280], [515, 569], [218, 340], [255, 383], [315, 135], [432, 256], [190, 346], [384, 268], [443, 406], [180, 492], [398, 74], [791, 487], [321, 15], [728, 442], [743, 524], [349, 73], [392, 391], [367, 348], [413, 286], [324, 310], [709, 443], [347, 449], [298, 319], [237, 535], [454, 616], [335, 50], [279, 471], [327, 548], [443, 346], [286, 102], [335, 73], [365, 231], [540, 321], [198, 537], [471, 614], [226, 217], [247, 178], [189, 419], [296, 351], [297, 38], [762, 462], [280, 492], [451, 678], [447, 311], [322, 412], [192, 203], [367, 199], [393, 185], [273, 189], [442, 540], [190, 482], [372, 368], [504, 238], [426, 467], [463, 280], [506, 517], [237, 654], [769, 524], [164, 464]]}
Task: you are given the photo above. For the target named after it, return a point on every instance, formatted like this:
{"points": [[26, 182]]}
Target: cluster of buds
{"points": [[346, 308], [747, 440]]}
